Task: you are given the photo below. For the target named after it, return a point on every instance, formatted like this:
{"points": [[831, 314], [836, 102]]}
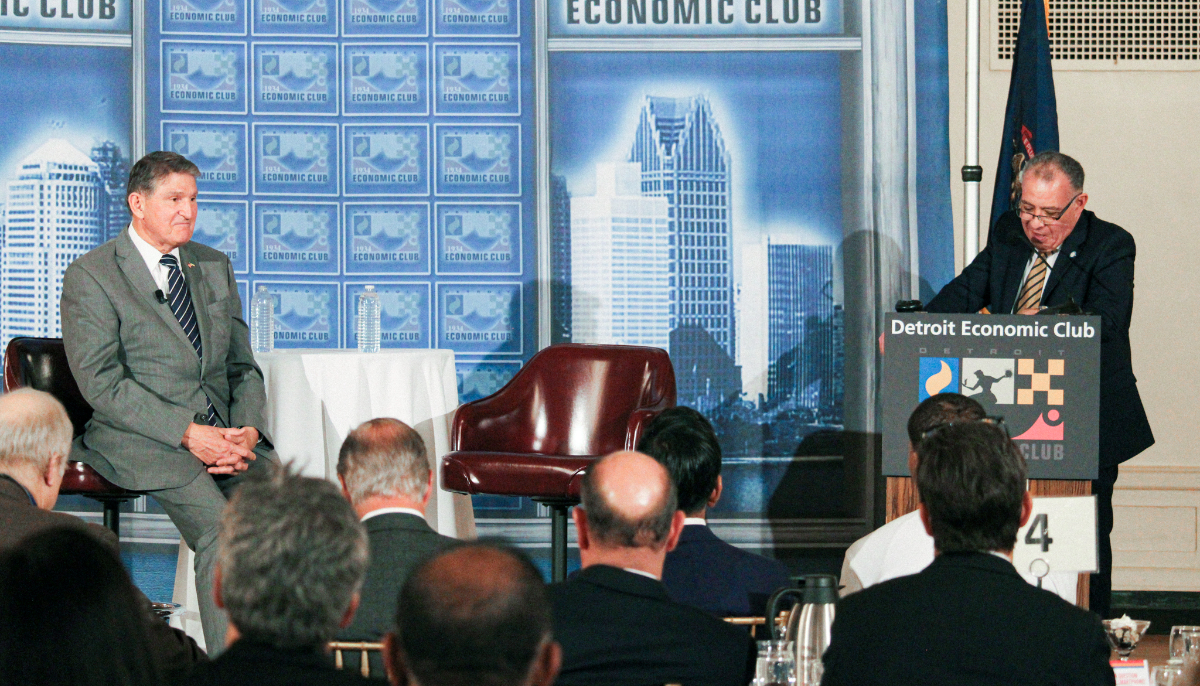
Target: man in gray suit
{"points": [[153, 329], [385, 474]]}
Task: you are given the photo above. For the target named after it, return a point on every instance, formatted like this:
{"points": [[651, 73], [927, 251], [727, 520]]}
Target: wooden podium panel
{"points": [[902, 499]]}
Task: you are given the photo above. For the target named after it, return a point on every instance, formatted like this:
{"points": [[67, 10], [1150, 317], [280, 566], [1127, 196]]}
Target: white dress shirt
{"points": [[151, 255], [392, 510]]}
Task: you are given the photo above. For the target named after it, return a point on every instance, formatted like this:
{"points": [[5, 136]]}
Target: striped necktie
{"points": [[180, 300], [1035, 283]]}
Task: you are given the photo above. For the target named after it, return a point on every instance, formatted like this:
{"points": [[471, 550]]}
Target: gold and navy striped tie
{"points": [[1035, 283], [181, 305]]}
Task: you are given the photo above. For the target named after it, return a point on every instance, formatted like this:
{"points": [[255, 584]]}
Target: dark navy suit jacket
{"points": [[967, 618], [707, 573], [1095, 267]]}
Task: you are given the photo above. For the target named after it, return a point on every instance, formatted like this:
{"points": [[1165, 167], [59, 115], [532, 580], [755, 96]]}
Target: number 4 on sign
{"points": [[1039, 532]]}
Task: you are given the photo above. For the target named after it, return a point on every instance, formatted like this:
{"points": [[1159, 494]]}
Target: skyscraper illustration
{"points": [[560, 260], [114, 174], [620, 262], [54, 213], [683, 159], [795, 361]]}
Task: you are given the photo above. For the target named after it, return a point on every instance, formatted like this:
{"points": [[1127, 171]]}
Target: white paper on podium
{"points": [[1070, 525]]}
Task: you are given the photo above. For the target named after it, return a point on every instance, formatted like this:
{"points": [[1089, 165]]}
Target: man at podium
{"points": [[1050, 252]]}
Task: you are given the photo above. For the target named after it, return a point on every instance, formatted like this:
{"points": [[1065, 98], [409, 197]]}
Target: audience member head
{"points": [[685, 443], [70, 615], [384, 460], [628, 516], [35, 441], [935, 411], [475, 615], [971, 479], [291, 559]]}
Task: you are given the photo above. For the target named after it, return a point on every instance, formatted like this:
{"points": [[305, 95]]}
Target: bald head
{"points": [[476, 614], [33, 428], [629, 500]]}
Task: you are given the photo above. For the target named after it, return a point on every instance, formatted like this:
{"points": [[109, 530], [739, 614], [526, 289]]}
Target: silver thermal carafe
{"points": [[808, 623]]}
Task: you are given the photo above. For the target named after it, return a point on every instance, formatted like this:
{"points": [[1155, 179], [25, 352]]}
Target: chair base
{"points": [[112, 509], [558, 535]]}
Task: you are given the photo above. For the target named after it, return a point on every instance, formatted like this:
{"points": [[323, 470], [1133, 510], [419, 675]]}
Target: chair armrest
{"points": [[638, 421]]}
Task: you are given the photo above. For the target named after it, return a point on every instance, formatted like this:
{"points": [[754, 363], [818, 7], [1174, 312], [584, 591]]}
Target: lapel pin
{"points": [[190, 265], [1072, 256]]}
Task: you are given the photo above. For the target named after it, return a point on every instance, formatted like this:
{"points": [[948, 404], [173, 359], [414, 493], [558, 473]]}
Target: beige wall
{"points": [[1137, 135]]}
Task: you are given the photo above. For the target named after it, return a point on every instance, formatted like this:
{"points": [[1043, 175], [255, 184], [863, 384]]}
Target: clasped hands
{"points": [[225, 451]]}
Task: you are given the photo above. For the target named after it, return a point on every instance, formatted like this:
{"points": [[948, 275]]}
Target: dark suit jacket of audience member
{"points": [[398, 543], [968, 618], [707, 573], [619, 628], [249, 663], [19, 518]]}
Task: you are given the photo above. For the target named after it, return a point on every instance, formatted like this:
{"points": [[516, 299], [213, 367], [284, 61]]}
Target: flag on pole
{"points": [[1031, 117]]}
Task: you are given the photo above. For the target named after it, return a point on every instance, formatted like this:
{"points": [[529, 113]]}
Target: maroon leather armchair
{"points": [[41, 363], [570, 405]]}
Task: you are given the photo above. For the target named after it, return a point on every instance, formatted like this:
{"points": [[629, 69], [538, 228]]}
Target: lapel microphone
{"points": [[158, 295]]}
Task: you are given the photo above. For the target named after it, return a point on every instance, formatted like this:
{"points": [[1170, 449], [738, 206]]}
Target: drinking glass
{"points": [[776, 664], [1185, 641], [1170, 674]]}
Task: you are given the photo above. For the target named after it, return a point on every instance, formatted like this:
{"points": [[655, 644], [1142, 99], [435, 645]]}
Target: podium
{"points": [[1039, 374]]}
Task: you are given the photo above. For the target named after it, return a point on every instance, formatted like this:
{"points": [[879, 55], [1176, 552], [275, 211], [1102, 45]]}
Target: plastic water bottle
{"points": [[262, 321], [369, 310]]}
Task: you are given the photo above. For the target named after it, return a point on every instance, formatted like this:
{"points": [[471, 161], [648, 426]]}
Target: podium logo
{"points": [[387, 157], [306, 315], [217, 149], [481, 318], [1047, 427], [479, 239], [937, 375], [479, 159], [388, 238], [296, 237], [386, 16], [295, 17], [1040, 382], [381, 78], [222, 226], [478, 80], [291, 79], [477, 17], [203, 77], [203, 16], [296, 159], [989, 381]]}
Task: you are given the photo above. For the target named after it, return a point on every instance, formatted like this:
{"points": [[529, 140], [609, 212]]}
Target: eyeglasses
{"points": [[995, 421], [1046, 218]]}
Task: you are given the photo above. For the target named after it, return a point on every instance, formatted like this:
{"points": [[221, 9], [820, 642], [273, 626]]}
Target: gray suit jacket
{"points": [[140, 373]]}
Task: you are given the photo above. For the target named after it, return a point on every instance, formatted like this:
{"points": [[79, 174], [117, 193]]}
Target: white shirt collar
{"points": [[648, 575], [392, 510], [151, 256], [695, 521]]}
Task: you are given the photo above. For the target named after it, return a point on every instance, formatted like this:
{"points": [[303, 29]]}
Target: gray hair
{"points": [[1044, 165], [292, 554], [383, 457], [33, 427], [612, 527]]}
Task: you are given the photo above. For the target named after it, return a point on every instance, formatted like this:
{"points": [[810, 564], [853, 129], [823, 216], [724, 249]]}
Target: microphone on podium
{"points": [[158, 295]]}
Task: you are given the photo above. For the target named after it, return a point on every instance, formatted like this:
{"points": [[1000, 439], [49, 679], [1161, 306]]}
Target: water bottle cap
{"points": [[261, 288], [369, 288]]}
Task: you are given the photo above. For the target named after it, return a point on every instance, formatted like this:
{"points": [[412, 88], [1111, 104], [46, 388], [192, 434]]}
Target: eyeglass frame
{"points": [[1046, 219]]}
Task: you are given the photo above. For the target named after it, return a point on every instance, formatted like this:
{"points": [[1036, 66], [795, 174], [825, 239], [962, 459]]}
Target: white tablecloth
{"points": [[315, 397]]}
